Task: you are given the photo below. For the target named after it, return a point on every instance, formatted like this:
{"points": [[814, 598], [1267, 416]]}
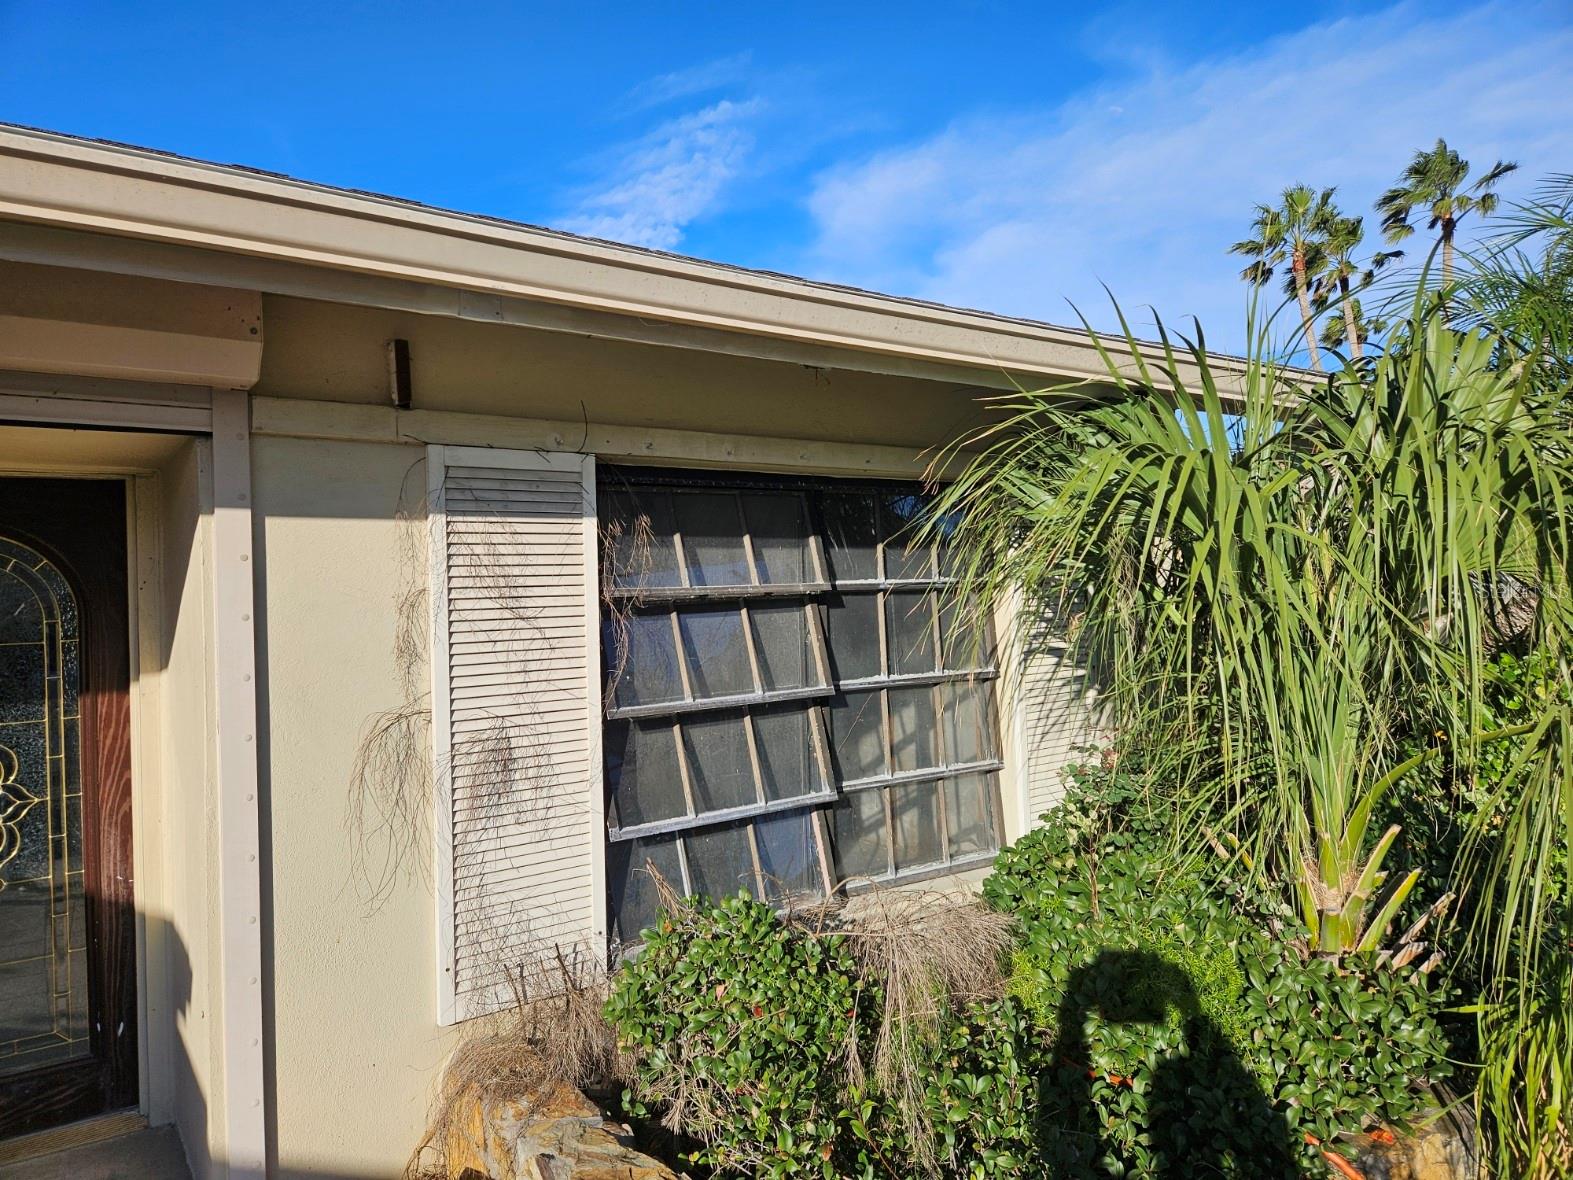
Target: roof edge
{"points": [[57, 180]]}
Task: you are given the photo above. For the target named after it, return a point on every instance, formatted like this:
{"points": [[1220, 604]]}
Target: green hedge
{"points": [[747, 1026], [1225, 1046], [1158, 1024]]}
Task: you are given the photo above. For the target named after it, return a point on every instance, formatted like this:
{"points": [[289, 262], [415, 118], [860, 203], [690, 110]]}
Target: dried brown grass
{"points": [[931, 954], [553, 1034]]}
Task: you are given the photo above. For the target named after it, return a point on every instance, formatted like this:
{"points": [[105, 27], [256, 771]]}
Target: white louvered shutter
{"points": [[516, 708], [1057, 718]]}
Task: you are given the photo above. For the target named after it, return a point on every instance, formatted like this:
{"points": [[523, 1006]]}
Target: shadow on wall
{"points": [[1206, 1114]]}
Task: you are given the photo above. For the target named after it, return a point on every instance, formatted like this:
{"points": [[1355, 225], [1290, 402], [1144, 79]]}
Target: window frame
{"points": [[819, 807]]}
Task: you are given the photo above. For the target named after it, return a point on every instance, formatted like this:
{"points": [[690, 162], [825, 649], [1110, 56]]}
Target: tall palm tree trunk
{"points": [[1351, 326], [1305, 311]]}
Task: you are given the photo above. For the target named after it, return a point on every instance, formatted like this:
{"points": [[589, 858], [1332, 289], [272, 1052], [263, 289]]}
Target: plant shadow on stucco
{"points": [[1205, 1115]]}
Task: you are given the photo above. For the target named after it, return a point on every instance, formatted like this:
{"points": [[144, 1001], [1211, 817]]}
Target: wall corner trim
{"points": [[235, 709]]}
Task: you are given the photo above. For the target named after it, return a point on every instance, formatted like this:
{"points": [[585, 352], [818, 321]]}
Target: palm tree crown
{"points": [[1343, 276], [1293, 232], [1434, 183]]}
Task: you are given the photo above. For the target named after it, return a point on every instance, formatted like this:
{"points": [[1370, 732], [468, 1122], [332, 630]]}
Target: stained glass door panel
{"points": [[43, 932], [68, 1014]]}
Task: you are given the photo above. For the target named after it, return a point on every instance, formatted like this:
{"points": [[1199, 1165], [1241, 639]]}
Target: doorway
{"points": [[68, 1002]]}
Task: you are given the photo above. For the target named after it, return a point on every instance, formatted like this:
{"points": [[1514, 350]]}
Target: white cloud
{"points": [[707, 76], [669, 178], [1143, 185]]}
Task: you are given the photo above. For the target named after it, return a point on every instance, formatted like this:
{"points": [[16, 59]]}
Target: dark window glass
{"points": [[639, 530], [786, 650], [912, 730], [716, 649], [633, 892], [914, 810], [642, 769], [861, 845], [851, 537], [969, 815], [721, 862], [789, 856], [643, 657], [788, 759], [904, 559], [852, 623], [719, 762], [909, 623], [857, 727], [778, 526], [712, 538]]}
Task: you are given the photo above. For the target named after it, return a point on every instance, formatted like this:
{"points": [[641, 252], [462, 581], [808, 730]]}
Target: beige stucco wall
{"points": [[355, 1042], [182, 914]]}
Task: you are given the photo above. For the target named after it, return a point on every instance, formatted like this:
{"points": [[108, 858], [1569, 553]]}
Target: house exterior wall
{"points": [[357, 1047], [352, 1043]]}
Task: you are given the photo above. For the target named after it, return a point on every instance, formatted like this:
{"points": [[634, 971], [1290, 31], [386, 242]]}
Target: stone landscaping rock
{"points": [[1441, 1148], [562, 1135]]}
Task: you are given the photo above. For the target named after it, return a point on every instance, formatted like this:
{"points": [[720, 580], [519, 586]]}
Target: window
{"points": [[792, 703]]}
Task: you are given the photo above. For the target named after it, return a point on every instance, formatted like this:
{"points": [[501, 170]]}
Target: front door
{"points": [[68, 1034]]}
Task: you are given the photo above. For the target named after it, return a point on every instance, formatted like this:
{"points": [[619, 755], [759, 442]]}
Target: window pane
{"points": [[948, 558], [786, 751], [912, 744], [712, 538], [965, 642], [852, 631], [899, 514], [789, 856], [914, 810], [643, 659], [786, 654], [638, 526], [909, 624], [718, 762], [720, 862], [966, 720], [858, 735], [850, 534], [778, 527], [969, 812], [716, 651], [642, 771], [858, 823], [633, 894]]}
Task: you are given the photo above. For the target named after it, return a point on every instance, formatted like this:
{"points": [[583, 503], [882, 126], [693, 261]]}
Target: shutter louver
{"points": [[1058, 719], [516, 716]]}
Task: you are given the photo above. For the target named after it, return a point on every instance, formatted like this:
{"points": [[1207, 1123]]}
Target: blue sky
{"points": [[1004, 156]]}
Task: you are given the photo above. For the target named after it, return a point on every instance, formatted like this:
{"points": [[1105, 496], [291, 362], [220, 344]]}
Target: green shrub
{"points": [[745, 1030], [1189, 1037]]}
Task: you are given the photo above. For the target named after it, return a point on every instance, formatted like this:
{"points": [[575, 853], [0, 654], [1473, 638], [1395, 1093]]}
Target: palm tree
{"points": [[1343, 277], [1277, 590], [1434, 183], [1293, 232]]}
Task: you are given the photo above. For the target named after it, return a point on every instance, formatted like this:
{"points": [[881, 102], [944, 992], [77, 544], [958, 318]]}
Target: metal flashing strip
{"points": [[49, 400]]}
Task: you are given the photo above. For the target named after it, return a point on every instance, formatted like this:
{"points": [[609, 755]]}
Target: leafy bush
{"points": [[749, 1034], [1188, 1035]]}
